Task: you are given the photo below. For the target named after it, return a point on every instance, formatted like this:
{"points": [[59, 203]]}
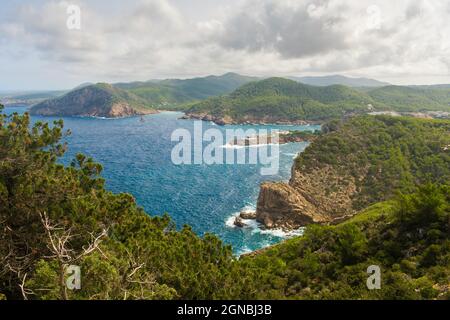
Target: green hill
{"points": [[282, 100], [173, 93], [100, 100]]}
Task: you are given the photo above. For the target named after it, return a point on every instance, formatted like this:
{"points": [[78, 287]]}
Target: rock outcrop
{"points": [[248, 215], [238, 222], [281, 206], [305, 199]]}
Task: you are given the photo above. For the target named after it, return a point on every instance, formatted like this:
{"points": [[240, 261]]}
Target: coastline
{"points": [[226, 120]]}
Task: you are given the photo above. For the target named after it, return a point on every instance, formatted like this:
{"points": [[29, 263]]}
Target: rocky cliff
{"points": [[306, 199], [356, 163]]}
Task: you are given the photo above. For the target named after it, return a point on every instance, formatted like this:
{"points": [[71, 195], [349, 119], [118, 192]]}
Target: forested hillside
{"points": [[356, 163], [173, 93], [413, 98], [53, 216], [281, 100]]}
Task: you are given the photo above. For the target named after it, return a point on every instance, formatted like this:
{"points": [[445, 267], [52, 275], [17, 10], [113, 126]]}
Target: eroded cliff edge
{"points": [[353, 164], [305, 199]]}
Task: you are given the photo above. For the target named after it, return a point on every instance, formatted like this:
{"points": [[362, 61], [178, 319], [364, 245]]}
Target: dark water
{"points": [[136, 157]]}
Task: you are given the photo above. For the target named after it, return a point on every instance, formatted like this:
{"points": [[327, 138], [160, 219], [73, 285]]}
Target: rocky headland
{"points": [[351, 165], [100, 100]]}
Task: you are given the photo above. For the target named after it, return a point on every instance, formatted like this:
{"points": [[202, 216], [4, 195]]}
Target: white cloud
{"points": [[155, 38]]}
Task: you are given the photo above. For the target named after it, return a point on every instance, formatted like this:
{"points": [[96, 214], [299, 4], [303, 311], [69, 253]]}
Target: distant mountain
{"points": [[431, 86], [342, 80], [100, 100], [425, 98], [171, 93], [278, 100]]}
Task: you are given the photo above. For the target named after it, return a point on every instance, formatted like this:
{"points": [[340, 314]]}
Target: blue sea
{"points": [[136, 156]]}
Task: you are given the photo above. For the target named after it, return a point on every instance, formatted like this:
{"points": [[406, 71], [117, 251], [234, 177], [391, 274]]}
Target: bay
{"points": [[136, 156]]}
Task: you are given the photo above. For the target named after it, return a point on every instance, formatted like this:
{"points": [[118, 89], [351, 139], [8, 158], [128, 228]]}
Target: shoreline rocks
{"points": [[244, 215], [238, 222], [248, 215], [227, 120]]}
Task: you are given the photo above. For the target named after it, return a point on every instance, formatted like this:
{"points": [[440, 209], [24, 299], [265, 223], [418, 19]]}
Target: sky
{"points": [[401, 42]]}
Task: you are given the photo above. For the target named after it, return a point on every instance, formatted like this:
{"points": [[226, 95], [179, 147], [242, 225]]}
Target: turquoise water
{"points": [[136, 157]]}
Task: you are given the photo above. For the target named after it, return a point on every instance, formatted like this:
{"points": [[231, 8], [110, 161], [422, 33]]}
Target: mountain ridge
{"points": [[137, 98], [340, 79]]}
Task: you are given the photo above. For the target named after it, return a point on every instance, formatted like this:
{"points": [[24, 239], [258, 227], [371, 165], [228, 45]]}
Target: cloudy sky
{"points": [[402, 41]]}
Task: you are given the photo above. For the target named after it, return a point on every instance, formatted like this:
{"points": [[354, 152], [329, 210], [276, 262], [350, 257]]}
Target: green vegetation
{"points": [[243, 99], [135, 256], [278, 99], [296, 136], [174, 94], [128, 99], [407, 238], [381, 155], [412, 98], [52, 216], [102, 100]]}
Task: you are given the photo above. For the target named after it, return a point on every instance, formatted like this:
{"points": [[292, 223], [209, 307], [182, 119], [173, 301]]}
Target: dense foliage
{"points": [[381, 155], [173, 94], [409, 239], [141, 96], [43, 205], [278, 99], [413, 98], [53, 216]]}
